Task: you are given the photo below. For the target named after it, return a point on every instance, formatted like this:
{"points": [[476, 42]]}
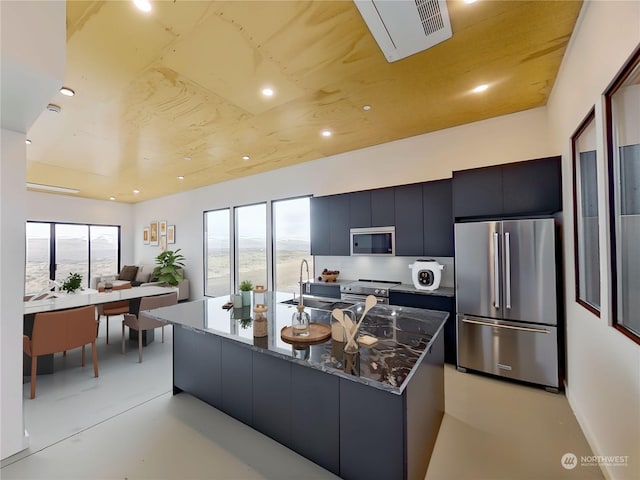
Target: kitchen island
{"points": [[375, 417]]}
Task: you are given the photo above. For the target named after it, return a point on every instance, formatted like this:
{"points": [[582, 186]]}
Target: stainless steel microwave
{"points": [[373, 241]]}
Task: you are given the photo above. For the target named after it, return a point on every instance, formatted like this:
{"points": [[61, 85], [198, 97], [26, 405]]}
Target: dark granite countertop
{"points": [[404, 334], [410, 288]]}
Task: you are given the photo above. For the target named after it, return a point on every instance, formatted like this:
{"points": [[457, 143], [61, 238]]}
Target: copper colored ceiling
{"points": [[184, 81]]}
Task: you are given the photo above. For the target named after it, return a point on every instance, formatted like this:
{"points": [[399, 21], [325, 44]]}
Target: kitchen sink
{"points": [[320, 303]]}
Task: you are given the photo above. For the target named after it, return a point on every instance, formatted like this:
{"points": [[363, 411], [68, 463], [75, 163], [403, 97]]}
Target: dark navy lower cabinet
{"points": [[272, 399], [236, 365]]}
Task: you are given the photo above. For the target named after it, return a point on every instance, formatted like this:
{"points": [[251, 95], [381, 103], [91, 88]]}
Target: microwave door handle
{"points": [[496, 272], [507, 262]]}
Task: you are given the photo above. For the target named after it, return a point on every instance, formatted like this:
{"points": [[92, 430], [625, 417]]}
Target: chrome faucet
{"points": [[304, 262]]}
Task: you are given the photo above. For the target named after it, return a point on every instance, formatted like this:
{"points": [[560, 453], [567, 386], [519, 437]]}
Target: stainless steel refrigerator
{"points": [[506, 297]]}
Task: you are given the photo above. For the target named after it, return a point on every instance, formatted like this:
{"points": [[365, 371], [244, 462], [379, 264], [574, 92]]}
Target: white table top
{"points": [[89, 296]]}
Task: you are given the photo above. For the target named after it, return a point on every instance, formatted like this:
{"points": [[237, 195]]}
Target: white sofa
{"points": [[142, 279]]}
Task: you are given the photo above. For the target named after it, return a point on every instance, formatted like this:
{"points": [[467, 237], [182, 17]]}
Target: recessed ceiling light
{"points": [[470, 1], [52, 188], [112, 198], [143, 5], [52, 107], [187, 158], [67, 91], [366, 107], [326, 133], [245, 157], [27, 141], [480, 88], [180, 177], [267, 92], [136, 191]]}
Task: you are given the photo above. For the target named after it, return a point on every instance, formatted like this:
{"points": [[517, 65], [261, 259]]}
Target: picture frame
{"points": [[171, 234], [163, 228], [163, 244], [153, 233], [145, 236]]}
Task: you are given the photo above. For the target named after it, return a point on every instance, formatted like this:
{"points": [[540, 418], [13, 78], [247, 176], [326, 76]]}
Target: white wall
{"points": [[33, 61], [510, 138], [603, 383]]}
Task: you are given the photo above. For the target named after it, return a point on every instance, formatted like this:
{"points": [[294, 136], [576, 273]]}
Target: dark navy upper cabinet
{"points": [[477, 192], [437, 218], [320, 208], [339, 225], [409, 219], [360, 209], [383, 207], [532, 187]]}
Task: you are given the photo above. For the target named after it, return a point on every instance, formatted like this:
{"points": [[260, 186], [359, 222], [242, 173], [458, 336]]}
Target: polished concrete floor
{"points": [[127, 425]]}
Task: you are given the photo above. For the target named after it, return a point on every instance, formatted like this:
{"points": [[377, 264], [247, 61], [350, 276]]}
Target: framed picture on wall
{"points": [[153, 233], [145, 236], [163, 228], [163, 244], [171, 234]]}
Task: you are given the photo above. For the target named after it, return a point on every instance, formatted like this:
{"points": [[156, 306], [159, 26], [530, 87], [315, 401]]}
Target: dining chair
{"points": [[143, 321], [113, 309], [58, 332]]}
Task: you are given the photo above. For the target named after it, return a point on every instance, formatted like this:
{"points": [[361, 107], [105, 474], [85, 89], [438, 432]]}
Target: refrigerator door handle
{"points": [[496, 272], [507, 261], [510, 327]]}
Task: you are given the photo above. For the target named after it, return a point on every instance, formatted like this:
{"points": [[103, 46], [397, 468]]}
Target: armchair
{"points": [[145, 322]]}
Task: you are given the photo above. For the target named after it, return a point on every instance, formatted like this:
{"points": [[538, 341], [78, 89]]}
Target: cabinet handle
{"points": [[507, 260]]}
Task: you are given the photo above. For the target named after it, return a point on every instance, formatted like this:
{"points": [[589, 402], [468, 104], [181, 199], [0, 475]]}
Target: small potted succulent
{"points": [[72, 283], [245, 290]]}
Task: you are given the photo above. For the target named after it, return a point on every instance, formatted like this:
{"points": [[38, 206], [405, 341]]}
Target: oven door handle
{"points": [[361, 298]]}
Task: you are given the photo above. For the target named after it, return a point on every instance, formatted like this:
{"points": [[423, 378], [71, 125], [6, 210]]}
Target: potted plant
{"points": [[170, 263], [245, 289], [72, 283]]}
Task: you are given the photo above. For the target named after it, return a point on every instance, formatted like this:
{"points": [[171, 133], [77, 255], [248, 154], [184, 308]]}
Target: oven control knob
{"points": [[377, 291], [383, 292]]}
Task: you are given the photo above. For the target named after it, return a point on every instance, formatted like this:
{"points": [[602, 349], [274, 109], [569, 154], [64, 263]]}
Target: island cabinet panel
{"points": [[237, 381], [433, 302], [409, 219], [423, 423], [360, 209], [199, 371], [437, 212], [315, 417], [383, 207], [372, 433], [272, 393]]}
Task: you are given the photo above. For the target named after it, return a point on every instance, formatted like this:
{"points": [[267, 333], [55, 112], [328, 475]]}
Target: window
{"points": [[56, 249], [282, 224], [291, 242], [218, 253], [251, 244], [38, 257], [585, 215], [623, 149]]}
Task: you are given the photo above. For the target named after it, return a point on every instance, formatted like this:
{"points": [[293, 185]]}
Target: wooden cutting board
{"points": [[318, 333]]}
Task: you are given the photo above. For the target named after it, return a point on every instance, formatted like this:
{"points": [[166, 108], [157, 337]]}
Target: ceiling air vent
{"points": [[405, 27]]}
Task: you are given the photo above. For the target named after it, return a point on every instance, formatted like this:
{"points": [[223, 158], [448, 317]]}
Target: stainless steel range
{"points": [[358, 291]]}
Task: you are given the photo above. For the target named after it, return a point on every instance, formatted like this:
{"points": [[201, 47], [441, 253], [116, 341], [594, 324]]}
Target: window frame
{"points": [[233, 254], [620, 78], [588, 121], [52, 245]]}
